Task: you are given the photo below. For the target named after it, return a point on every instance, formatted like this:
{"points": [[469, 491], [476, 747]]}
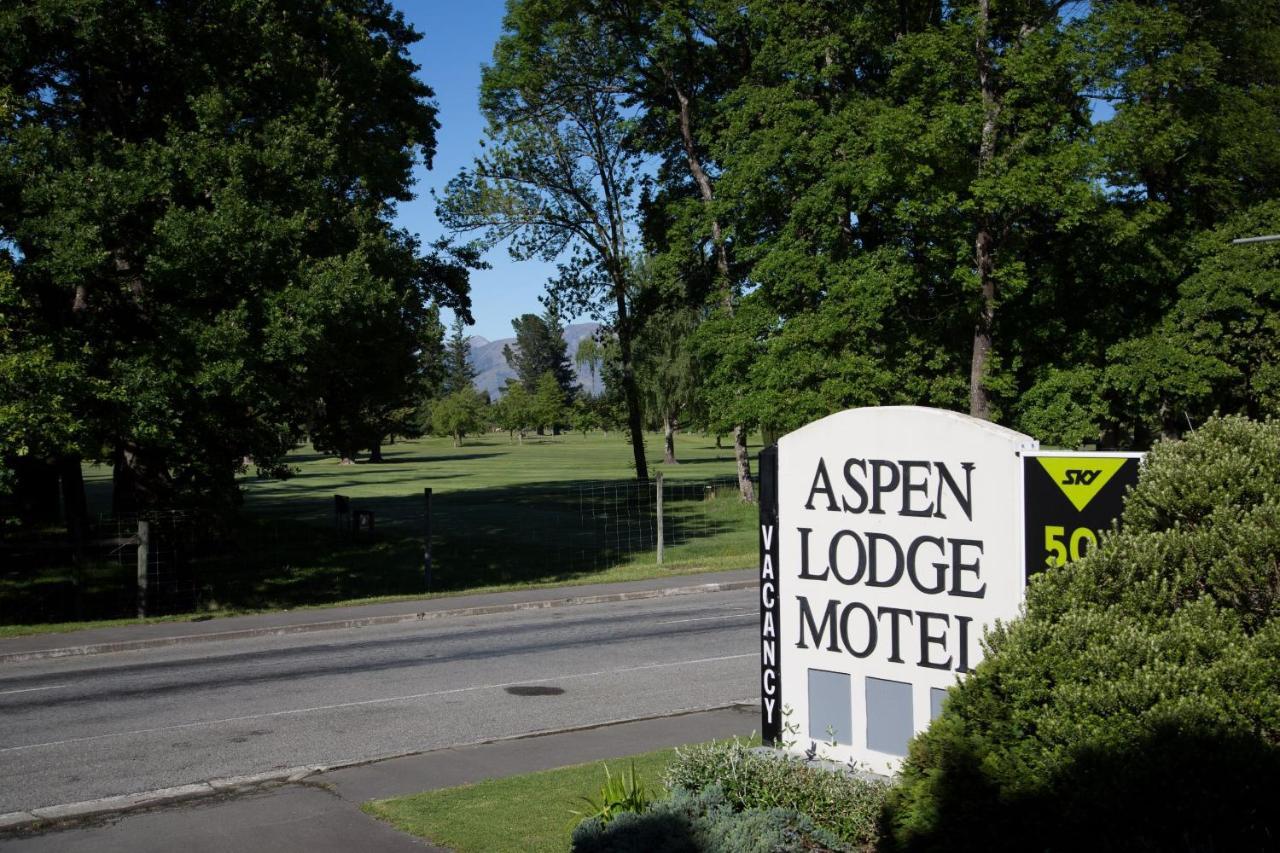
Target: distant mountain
{"points": [[492, 371]]}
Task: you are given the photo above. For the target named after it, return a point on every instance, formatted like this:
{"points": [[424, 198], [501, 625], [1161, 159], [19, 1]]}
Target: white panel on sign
{"points": [[899, 542]]}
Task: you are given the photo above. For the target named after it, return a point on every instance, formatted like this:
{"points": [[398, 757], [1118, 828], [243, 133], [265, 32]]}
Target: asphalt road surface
{"points": [[79, 729]]}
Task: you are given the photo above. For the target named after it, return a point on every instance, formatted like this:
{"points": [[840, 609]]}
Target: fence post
{"points": [[426, 535], [658, 477], [144, 550]]}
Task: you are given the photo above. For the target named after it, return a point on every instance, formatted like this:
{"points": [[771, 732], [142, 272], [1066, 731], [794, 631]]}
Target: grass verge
{"points": [[520, 814]]}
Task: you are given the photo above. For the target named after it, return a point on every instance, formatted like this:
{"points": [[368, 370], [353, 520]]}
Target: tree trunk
{"points": [[705, 190], [746, 490], [983, 339], [984, 242], [630, 391], [669, 441], [375, 453]]}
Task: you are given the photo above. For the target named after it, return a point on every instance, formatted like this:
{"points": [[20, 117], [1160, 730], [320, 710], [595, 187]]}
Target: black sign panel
{"points": [[1071, 500], [770, 605]]}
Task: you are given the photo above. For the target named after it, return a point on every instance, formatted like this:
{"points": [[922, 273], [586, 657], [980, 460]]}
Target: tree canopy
{"points": [[458, 369], [1018, 209], [541, 348], [196, 205]]}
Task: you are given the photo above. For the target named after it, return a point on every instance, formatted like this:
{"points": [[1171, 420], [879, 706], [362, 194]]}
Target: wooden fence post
{"points": [[658, 477], [144, 551], [426, 535]]}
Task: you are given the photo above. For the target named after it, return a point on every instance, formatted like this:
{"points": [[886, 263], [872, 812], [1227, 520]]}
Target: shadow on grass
{"points": [[701, 460], [525, 534], [422, 458]]}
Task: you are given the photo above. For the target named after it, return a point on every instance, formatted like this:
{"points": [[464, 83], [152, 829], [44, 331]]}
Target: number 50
{"points": [[1059, 548]]}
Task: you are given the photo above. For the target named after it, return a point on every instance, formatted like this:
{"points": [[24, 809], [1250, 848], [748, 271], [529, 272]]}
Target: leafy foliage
{"points": [[458, 370], [846, 806], [458, 415], [1137, 704], [704, 822], [197, 214], [548, 403], [865, 220], [559, 180], [540, 349], [667, 370], [623, 793]]}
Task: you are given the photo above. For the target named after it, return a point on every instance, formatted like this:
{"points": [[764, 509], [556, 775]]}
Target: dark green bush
{"points": [[1136, 706], [846, 806], [704, 822]]}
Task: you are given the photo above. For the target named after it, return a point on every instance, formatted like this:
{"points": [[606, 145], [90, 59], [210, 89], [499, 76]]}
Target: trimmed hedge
{"points": [[1136, 706]]}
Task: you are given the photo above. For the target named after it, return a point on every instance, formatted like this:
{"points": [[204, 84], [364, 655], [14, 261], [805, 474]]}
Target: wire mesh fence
{"points": [[325, 550], [555, 532], [123, 566]]}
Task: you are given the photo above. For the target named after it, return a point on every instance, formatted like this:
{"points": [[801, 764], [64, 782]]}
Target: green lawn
{"points": [[553, 510], [519, 814]]}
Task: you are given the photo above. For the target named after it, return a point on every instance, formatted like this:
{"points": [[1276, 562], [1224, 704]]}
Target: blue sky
{"points": [[457, 39]]}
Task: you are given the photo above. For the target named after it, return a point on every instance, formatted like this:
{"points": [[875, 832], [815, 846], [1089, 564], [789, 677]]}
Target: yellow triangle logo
{"points": [[1081, 477]]}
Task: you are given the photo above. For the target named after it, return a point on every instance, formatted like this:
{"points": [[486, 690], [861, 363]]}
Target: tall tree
{"points": [[558, 179], [515, 409], [1188, 154], [459, 372], [589, 356], [548, 404], [682, 57], [540, 348], [1217, 350], [459, 414], [1030, 165], [199, 201], [432, 370], [667, 370]]}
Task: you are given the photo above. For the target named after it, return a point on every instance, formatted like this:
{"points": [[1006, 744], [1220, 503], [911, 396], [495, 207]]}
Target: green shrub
{"points": [[845, 806], [1136, 706], [704, 822]]}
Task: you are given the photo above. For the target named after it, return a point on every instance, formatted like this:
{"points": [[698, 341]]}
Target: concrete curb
{"points": [[49, 817], [346, 764], [390, 619]]}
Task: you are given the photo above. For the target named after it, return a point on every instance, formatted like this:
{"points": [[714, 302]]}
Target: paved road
{"points": [[323, 814], [77, 729]]}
